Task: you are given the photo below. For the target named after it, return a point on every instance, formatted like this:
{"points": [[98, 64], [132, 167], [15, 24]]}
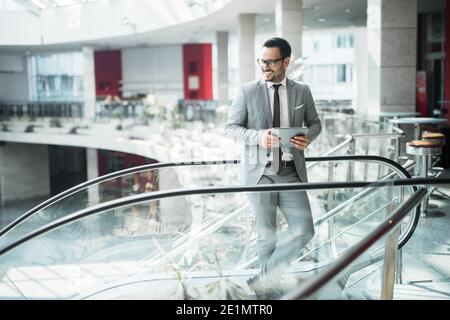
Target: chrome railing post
{"points": [[351, 165], [330, 203], [398, 274], [330, 179], [397, 148], [366, 152], [389, 266], [424, 173]]}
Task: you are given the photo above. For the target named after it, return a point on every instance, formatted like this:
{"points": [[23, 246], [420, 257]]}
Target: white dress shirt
{"points": [[284, 117]]}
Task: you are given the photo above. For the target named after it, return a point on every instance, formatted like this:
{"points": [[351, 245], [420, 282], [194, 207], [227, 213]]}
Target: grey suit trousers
{"points": [[275, 257]]}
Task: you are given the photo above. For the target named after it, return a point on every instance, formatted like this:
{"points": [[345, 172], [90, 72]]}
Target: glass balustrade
{"points": [[193, 176], [361, 280], [200, 244]]}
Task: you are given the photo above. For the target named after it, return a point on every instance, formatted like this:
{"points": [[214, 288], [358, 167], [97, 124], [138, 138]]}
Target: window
{"points": [[340, 41], [57, 76], [344, 41], [316, 45], [344, 73], [341, 68]]}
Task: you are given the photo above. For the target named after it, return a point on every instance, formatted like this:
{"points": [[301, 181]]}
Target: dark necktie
{"points": [[276, 124], [276, 106]]}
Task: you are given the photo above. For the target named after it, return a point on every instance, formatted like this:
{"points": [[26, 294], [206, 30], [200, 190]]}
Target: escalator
{"points": [[193, 237]]}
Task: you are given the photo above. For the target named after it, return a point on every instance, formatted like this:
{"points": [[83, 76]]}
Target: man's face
{"points": [[277, 72]]}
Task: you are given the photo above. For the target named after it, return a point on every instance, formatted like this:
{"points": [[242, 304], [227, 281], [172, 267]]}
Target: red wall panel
{"points": [[108, 72], [197, 71], [123, 160]]}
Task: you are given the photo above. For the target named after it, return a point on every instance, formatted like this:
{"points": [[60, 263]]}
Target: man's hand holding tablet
{"points": [[292, 137]]}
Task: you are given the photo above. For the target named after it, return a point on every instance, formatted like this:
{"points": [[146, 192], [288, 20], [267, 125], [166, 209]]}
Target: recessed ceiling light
{"points": [[321, 20], [347, 10]]}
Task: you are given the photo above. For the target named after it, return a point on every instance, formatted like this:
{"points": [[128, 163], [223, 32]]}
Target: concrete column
{"points": [[289, 25], [89, 83], [392, 46], [24, 171], [92, 173], [360, 71], [246, 41], [92, 163], [222, 66]]}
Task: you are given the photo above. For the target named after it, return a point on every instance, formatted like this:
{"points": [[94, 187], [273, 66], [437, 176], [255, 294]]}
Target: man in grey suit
{"points": [[274, 101]]}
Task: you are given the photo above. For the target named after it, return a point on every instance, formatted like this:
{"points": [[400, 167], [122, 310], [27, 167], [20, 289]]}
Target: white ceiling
{"points": [[332, 12], [317, 14]]}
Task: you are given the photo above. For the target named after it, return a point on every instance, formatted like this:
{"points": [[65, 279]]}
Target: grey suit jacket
{"points": [[250, 115]]}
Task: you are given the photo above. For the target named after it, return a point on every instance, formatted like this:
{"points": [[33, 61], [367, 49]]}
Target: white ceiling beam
{"points": [[30, 6]]}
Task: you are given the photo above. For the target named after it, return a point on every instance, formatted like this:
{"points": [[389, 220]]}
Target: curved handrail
{"points": [[313, 285], [103, 178], [120, 173], [393, 165], [156, 195], [154, 166]]}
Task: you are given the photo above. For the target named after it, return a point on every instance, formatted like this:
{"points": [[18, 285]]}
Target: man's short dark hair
{"points": [[280, 43]]}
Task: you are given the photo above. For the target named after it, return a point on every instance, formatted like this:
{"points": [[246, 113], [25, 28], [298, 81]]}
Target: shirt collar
{"points": [[270, 83]]}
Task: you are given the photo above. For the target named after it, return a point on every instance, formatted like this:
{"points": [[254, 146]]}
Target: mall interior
{"points": [[117, 180]]}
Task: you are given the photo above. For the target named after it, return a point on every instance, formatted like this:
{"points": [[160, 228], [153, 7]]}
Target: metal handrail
{"points": [[104, 178], [309, 288], [402, 132], [156, 195], [70, 191], [136, 169], [348, 139], [333, 212], [376, 135], [395, 166]]}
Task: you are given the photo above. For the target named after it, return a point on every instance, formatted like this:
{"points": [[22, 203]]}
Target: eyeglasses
{"points": [[270, 63]]}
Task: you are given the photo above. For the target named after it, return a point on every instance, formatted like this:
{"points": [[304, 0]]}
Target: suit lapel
{"points": [[291, 95], [263, 101]]}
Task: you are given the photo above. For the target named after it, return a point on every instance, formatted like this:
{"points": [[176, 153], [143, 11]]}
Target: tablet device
{"points": [[287, 133]]}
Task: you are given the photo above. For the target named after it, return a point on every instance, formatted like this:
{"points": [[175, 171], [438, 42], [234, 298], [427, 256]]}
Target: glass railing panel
{"points": [[338, 124], [129, 184], [152, 249], [384, 146], [162, 179], [117, 244], [194, 177], [351, 219], [341, 123], [189, 176], [361, 280]]}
